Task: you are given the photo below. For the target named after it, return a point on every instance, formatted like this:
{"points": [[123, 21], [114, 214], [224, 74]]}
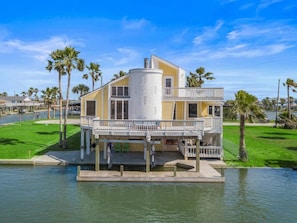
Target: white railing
{"points": [[142, 127], [209, 123], [205, 151], [194, 93]]}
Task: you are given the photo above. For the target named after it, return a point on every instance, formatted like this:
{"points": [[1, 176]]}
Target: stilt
{"points": [[198, 155], [105, 146], [148, 140], [97, 156], [82, 143], [88, 142]]}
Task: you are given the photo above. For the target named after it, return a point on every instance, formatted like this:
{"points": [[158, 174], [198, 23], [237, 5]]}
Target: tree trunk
{"points": [[242, 150], [66, 113], [60, 111], [289, 102], [48, 111]]}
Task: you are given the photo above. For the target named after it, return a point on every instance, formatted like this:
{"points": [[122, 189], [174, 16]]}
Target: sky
{"points": [[247, 45]]}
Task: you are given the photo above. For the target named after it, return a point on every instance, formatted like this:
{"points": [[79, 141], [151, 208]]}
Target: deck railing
{"points": [[203, 123], [191, 92], [205, 151], [142, 127]]}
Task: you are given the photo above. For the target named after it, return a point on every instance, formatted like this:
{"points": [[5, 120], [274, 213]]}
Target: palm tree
{"points": [[24, 93], [94, 73], [120, 74], [246, 105], [290, 83], [48, 98], [80, 89], [197, 79], [69, 60], [57, 64]]}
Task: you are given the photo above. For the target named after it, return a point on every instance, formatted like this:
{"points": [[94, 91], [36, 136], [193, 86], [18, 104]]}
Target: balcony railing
{"points": [[205, 151], [155, 127], [193, 93]]}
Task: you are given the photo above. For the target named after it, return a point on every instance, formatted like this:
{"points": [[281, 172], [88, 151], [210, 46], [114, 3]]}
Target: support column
{"points": [[148, 148], [105, 150], [88, 142], [82, 143], [198, 155], [97, 156]]}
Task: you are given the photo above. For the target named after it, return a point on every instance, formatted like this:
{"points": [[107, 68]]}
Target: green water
{"points": [[51, 194]]}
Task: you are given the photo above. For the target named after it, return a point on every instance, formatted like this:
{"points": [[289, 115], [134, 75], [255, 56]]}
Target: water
{"points": [[51, 194], [26, 117]]}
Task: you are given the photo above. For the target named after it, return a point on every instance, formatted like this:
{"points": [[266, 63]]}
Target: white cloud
{"points": [[134, 24], [266, 3], [208, 33], [39, 50], [123, 56]]}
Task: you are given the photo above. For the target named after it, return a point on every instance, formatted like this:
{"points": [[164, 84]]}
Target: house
{"points": [[150, 110]]}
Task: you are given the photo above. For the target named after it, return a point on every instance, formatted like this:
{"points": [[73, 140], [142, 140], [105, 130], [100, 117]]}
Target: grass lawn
{"points": [[26, 139], [266, 146]]}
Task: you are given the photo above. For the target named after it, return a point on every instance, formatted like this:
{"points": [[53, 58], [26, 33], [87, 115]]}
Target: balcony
{"points": [[152, 127], [191, 93]]}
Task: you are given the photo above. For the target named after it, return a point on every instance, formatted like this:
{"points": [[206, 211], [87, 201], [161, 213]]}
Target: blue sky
{"points": [[248, 45]]}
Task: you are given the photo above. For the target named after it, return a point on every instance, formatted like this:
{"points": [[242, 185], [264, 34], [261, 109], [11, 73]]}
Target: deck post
{"points": [[88, 142], [148, 147], [82, 143], [97, 156], [198, 155]]}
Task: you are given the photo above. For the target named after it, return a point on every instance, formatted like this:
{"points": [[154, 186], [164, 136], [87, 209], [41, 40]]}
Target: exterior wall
{"points": [[91, 96], [167, 113], [179, 110], [145, 94]]}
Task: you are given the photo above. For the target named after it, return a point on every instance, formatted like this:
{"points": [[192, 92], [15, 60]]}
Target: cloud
{"points": [[39, 50], [208, 33], [266, 3], [134, 24], [123, 56]]}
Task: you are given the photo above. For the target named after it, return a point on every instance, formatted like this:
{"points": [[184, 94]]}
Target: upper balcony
{"points": [[191, 93], [152, 127]]}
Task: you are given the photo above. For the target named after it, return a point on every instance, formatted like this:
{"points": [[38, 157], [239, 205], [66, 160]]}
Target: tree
{"points": [[57, 64], [24, 93], [246, 106], [120, 74], [94, 73], [197, 79], [49, 97], [68, 61], [80, 89], [290, 83]]}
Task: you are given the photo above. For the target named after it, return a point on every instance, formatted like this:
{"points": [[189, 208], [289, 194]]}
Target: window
{"points": [[168, 85], [210, 110], [119, 109], [217, 111], [193, 111], [91, 108], [119, 91]]}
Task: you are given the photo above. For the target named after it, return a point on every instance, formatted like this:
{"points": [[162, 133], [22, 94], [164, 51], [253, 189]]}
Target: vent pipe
{"points": [[146, 63]]}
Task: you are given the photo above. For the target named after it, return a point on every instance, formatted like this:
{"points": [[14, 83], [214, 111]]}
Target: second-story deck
{"points": [[195, 127]]}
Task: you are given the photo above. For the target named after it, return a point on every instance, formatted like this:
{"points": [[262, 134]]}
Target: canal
{"points": [[51, 194]]}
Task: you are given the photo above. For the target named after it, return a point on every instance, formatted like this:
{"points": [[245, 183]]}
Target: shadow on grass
{"points": [[279, 133], [281, 163], [73, 143], [272, 137], [292, 148], [11, 142]]}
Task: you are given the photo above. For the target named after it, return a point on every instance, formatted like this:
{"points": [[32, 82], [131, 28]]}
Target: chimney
{"points": [[146, 63]]}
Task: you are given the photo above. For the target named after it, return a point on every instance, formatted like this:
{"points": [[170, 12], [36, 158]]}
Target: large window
{"points": [[119, 109], [119, 91], [214, 110], [91, 108], [193, 112]]}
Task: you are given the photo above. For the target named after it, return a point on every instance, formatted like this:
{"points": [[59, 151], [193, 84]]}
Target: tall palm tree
{"points": [[94, 73], [80, 89], [246, 105], [48, 96], [57, 64], [120, 74], [24, 93], [70, 61], [290, 83], [197, 79]]}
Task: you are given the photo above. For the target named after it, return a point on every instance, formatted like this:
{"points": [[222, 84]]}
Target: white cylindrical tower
{"points": [[145, 86]]}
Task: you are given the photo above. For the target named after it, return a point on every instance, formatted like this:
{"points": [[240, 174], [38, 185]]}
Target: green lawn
{"points": [[266, 146], [27, 139]]}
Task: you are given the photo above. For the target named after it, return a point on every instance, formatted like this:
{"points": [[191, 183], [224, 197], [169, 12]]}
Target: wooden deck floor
{"points": [[207, 174]]}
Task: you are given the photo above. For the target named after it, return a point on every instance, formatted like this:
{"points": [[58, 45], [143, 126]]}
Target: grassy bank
{"points": [[266, 146], [26, 139]]}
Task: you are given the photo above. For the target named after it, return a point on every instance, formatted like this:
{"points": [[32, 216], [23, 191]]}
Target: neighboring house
{"points": [[150, 109], [20, 103]]}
